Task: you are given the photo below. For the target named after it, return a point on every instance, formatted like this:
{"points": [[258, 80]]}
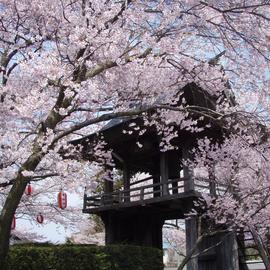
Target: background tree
{"points": [[67, 66]]}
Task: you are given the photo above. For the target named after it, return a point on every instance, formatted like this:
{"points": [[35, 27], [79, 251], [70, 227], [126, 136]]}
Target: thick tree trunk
{"points": [[17, 190], [12, 202]]}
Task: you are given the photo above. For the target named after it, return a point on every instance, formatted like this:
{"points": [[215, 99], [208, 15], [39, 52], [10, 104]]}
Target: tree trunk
{"points": [[12, 202]]}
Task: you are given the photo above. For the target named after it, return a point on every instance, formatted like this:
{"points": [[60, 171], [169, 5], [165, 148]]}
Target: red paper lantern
{"points": [[62, 199], [13, 223], [28, 190], [40, 218]]}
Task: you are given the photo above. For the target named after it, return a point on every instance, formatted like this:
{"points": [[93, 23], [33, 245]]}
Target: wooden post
{"points": [[126, 182], [191, 239], [188, 172], [156, 189], [212, 183], [218, 251], [174, 169], [110, 228], [164, 173], [84, 200], [108, 188], [142, 194], [191, 223], [175, 187], [227, 252]]}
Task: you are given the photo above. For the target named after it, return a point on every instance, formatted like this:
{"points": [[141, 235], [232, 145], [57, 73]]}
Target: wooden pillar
{"points": [[108, 189], [108, 186], [241, 250], [139, 229], [157, 240], [191, 239], [175, 187], [218, 251], [188, 172], [212, 183], [110, 228], [164, 173], [126, 182], [228, 253], [191, 223], [84, 199], [174, 158]]}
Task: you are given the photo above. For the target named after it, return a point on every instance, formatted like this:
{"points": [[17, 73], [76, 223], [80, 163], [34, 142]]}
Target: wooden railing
{"points": [[205, 186], [144, 191], [139, 193]]}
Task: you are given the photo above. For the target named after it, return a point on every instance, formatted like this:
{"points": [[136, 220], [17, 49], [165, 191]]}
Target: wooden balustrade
{"points": [[142, 193]]}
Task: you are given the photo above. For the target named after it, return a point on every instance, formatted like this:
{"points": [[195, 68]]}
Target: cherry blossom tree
{"points": [[67, 67], [240, 168]]}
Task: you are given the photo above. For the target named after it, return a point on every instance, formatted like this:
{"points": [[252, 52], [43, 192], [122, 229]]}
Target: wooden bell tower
{"points": [[135, 213]]}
